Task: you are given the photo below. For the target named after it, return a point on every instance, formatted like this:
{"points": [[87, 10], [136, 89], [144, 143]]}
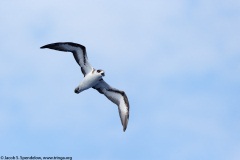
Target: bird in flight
{"points": [[94, 78]]}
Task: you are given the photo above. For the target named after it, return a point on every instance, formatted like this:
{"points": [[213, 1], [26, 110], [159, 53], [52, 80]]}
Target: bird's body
{"points": [[94, 78], [90, 80]]}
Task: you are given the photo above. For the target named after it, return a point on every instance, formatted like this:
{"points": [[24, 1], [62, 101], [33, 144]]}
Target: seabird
{"points": [[94, 78]]}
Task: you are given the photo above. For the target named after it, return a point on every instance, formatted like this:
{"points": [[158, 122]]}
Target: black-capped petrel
{"points": [[94, 78]]}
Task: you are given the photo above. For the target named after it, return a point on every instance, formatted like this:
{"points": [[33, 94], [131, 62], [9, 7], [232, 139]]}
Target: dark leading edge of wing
{"points": [[78, 50]]}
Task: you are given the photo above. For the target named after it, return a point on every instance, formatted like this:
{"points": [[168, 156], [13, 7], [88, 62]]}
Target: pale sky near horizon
{"points": [[177, 61]]}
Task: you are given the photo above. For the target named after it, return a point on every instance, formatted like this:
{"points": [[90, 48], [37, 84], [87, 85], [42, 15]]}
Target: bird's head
{"points": [[101, 72]]}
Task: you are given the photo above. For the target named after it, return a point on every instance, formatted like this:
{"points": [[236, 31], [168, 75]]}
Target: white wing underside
{"points": [[79, 53], [118, 97]]}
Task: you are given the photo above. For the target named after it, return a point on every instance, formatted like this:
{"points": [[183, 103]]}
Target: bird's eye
{"points": [[98, 71]]}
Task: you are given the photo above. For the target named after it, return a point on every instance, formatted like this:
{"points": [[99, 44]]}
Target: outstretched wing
{"points": [[118, 97], [79, 53]]}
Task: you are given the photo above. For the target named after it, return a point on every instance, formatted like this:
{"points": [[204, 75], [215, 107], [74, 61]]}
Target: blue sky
{"points": [[177, 60]]}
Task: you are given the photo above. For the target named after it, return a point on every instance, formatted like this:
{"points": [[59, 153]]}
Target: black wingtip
{"points": [[45, 46], [124, 129], [55, 46]]}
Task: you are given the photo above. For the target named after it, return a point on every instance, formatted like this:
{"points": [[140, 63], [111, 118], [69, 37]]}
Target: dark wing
{"points": [[118, 97], [79, 53]]}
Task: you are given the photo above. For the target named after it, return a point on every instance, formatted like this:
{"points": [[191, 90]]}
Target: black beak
{"points": [[103, 74]]}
